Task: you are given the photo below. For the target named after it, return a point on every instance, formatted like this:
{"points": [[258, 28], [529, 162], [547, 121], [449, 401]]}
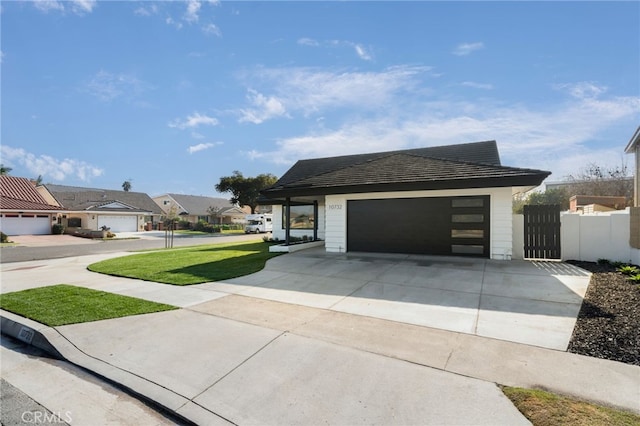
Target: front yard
{"points": [[608, 325], [190, 265]]}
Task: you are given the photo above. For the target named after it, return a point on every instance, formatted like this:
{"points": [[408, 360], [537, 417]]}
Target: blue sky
{"points": [[175, 94]]}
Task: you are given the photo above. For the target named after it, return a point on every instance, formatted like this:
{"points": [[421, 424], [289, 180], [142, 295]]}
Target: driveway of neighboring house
{"points": [[534, 303]]}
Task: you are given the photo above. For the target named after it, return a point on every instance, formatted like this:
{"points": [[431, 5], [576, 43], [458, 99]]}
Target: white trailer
{"points": [[257, 223]]}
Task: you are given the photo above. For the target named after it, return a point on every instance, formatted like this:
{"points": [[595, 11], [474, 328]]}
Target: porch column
{"points": [[315, 220], [287, 226]]}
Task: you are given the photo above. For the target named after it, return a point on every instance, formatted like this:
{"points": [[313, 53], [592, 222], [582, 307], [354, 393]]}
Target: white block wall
{"points": [[588, 237]]}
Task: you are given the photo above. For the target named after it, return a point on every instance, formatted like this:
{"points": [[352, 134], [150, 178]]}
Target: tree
{"points": [[4, 170], [38, 180], [214, 212], [245, 191], [602, 181], [550, 196], [126, 185]]}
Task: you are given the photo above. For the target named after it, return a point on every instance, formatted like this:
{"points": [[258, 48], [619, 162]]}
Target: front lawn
{"points": [[66, 304], [547, 409], [190, 265]]}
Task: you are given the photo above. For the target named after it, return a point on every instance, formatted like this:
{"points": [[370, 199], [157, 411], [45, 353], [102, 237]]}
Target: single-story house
{"points": [[194, 208], [633, 147], [443, 200], [93, 208], [23, 209]]}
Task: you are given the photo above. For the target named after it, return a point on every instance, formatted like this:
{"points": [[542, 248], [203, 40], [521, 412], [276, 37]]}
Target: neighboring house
{"points": [[633, 147], [92, 208], [194, 208], [444, 200], [23, 208]]}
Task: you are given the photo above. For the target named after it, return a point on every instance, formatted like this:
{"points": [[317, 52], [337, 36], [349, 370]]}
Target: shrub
{"points": [[604, 262], [628, 270], [203, 226], [3, 238], [634, 278], [57, 229]]}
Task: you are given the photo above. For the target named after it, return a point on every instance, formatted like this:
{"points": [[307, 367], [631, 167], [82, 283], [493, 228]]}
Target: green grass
{"points": [[547, 409], [66, 304], [190, 265]]}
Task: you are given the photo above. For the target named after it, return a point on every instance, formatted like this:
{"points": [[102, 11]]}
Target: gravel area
{"points": [[608, 324]]}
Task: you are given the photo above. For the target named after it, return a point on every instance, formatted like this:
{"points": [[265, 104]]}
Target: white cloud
{"points": [[212, 29], [361, 51], [582, 89], [561, 139], [263, 108], [473, 84], [310, 91], [49, 167], [308, 42], [466, 48], [194, 120], [202, 146], [108, 86], [193, 8], [79, 7], [146, 10], [47, 6]]}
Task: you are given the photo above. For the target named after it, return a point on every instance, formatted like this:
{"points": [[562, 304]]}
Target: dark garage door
{"points": [[441, 226]]}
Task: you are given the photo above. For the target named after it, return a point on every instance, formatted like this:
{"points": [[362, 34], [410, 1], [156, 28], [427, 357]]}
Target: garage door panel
{"points": [[118, 223], [26, 225], [439, 226]]}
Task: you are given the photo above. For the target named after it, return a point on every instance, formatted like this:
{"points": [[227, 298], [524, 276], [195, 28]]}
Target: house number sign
{"points": [[335, 206]]}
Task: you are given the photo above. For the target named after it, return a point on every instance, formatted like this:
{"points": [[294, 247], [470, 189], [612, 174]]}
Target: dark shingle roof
{"points": [[18, 193], [470, 165], [91, 199]]}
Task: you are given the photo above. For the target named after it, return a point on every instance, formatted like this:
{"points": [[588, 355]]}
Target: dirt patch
{"points": [[608, 324]]}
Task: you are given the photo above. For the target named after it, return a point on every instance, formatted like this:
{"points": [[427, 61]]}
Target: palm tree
{"points": [[126, 185], [4, 170]]}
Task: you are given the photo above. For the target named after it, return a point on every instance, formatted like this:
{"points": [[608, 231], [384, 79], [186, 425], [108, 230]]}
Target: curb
{"points": [[175, 406]]}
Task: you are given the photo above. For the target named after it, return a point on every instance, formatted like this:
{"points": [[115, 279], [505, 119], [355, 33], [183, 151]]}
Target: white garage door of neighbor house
{"points": [[25, 224], [118, 223]]}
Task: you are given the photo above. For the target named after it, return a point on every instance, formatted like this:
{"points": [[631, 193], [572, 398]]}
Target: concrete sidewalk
{"points": [[244, 359]]}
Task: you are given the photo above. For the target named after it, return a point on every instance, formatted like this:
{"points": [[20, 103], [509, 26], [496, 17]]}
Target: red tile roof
{"points": [[21, 194]]}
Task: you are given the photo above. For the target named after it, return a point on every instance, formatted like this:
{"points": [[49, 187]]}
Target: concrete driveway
{"points": [[534, 303]]}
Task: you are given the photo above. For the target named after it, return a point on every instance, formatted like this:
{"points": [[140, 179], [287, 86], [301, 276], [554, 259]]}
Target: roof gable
{"points": [[78, 198], [633, 142], [18, 193]]}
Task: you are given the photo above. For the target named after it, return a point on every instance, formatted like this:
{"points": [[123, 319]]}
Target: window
{"points": [[467, 202], [74, 222], [467, 233], [302, 217], [467, 218]]}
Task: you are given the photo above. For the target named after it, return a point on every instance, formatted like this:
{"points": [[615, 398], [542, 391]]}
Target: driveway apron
{"points": [[534, 303]]}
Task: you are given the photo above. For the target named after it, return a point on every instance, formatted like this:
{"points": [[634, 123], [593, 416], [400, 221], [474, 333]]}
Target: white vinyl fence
{"points": [[588, 237]]}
